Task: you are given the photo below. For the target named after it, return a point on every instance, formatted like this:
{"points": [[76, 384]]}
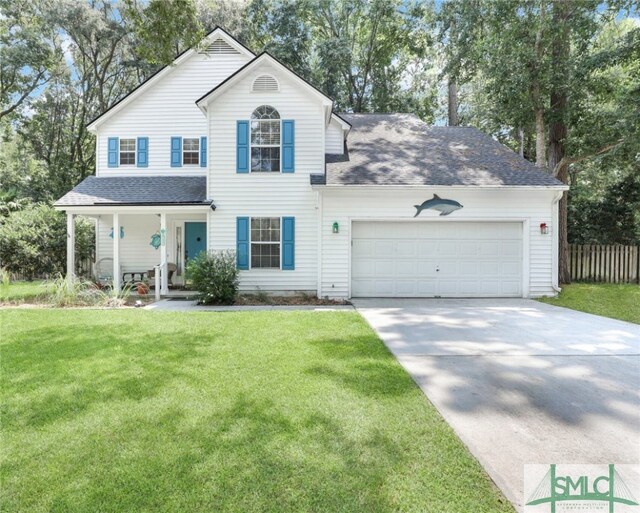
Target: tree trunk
{"points": [[558, 126], [453, 102], [541, 143], [521, 142]]}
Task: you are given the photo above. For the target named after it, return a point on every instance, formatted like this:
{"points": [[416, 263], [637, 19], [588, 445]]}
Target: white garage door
{"points": [[436, 259]]}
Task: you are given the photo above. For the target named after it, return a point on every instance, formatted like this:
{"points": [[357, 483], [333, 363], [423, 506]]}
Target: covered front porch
{"points": [[145, 227], [145, 242]]}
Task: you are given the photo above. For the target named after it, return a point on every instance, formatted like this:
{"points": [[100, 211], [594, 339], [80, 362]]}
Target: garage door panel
{"points": [[427, 248], [426, 287], [405, 288], [426, 268], [406, 268], [447, 248], [510, 249], [383, 248], [510, 288], [364, 268], [361, 248], [447, 287], [511, 269], [488, 249], [469, 248], [384, 267], [468, 268], [427, 259], [406, 248]]}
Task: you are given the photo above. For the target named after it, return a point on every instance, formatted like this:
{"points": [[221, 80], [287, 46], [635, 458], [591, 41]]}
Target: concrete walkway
{"points": [[187, 305], [521, 382]]}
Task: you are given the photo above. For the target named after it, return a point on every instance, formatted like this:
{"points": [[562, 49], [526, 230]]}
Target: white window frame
{"points": [[251, 145], [135, 151], [197, 139], [279, 268]]}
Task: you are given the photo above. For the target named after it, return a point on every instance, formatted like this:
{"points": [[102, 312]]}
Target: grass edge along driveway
{"points": [[123, 411], [617, 301]]}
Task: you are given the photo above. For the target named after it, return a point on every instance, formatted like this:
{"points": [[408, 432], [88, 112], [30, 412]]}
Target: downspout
{"points": [[555, 242], [319, 243]]}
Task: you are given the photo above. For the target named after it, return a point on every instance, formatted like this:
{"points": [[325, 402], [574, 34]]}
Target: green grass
{"points": [[138, 411], [18, 291], [610, 300]]}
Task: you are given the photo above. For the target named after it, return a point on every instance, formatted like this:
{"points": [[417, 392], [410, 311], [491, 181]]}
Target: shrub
{"points": [[33, 241], [215, 276]]}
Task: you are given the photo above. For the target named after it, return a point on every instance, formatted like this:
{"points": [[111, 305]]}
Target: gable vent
{"points": [[265, 84], [220, 47]]}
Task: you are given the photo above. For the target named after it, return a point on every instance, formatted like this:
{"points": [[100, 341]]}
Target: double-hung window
{"points": [[127, 152], [191, 151], [265, 242], [265, 140]]}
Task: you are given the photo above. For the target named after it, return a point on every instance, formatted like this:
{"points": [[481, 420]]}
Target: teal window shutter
{"points": [[176, 152], [113, 152], [242, 147], [242, 242], [288, 243], [203, 151], [142, 159], [288, 146]]}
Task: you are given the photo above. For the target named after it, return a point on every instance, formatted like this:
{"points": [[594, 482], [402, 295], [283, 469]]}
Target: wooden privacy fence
{"points": [[610, 264]]}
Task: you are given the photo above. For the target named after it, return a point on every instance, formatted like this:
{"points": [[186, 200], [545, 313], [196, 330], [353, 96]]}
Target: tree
{"points": [[30, 53], [33, 241], [164, 28]]}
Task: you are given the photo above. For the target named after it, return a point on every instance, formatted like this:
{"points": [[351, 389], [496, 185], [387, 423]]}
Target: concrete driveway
{"points": [[521, 382]]}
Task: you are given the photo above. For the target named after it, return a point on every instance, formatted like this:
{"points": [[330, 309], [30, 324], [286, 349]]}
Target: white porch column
{"points": [[163, 254], [71, 247], [117, 276]]}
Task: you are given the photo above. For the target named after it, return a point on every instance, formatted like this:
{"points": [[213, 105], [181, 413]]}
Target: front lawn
{"points": [[18, 291], [607, 299], [138, 411]]}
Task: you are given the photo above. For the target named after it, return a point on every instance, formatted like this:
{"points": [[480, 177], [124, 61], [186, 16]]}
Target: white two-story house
{"points": [[226, 149]]}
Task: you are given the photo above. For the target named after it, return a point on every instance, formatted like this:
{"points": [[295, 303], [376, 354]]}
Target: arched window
{"points": [[265, 140]]}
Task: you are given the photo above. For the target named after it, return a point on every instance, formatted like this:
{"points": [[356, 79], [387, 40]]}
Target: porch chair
{"points": [[171, 269], [103, 271]]}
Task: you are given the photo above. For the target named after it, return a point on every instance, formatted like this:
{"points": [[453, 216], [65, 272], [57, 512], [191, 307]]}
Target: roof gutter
{"points": [[139, 207], [434, 186]]}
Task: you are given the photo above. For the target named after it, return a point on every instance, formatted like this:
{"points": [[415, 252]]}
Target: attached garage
{"points": [[436, 259], [412, 211]]}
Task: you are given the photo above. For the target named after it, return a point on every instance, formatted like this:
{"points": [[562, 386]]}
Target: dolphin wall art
{"points": [[444, 206]]}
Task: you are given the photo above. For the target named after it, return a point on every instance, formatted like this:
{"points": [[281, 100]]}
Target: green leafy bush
{"points": [[215, 276], [33, 241]]}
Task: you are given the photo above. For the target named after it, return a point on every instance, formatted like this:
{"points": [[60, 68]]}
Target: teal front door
{"points": [[195, 239]]}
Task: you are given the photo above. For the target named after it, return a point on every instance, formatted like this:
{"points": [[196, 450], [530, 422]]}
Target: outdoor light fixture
{"points": [[544, 229], [335, 228]]}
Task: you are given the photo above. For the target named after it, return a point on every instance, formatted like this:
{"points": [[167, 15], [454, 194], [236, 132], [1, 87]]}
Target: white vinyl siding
{"points": [[267, 194], [165, 110], [529, 207], [334, 141]]}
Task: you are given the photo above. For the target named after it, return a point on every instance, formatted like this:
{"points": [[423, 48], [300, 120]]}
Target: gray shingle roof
{"points": [[399, 149], [138, 190]]}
